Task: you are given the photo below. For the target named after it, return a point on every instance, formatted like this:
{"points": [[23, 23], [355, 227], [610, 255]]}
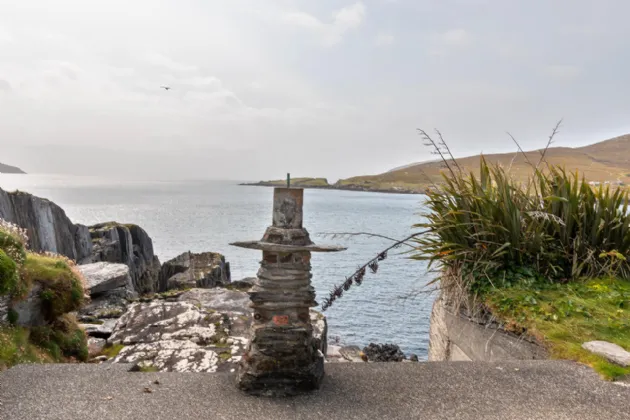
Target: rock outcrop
{"points": [[130, 245], [200, 330], [49, 229], [188, 270], [111, 291], [383, 353]]}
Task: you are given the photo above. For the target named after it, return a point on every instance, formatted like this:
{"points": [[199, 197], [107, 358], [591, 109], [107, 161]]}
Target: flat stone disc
{"points": [[267, 246]]}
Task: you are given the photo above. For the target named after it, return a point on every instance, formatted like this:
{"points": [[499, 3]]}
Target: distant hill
{"points": [[6, 169], [605, 161]]}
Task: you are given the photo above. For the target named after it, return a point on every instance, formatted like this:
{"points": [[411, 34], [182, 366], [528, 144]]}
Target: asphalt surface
{"points": [[454, 390]]}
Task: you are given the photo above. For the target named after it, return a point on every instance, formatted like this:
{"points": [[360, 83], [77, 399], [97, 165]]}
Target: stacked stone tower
{"points": [[282, 358]]}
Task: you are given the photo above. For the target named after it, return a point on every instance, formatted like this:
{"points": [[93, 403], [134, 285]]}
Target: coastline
{"points": [[337, 187]]}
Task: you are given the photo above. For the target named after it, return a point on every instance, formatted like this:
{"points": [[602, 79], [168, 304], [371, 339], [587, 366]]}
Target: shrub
{"points": [[15, 348], [62, 286], [62, 339], [485, 228], [9, 276], [13, 240]]}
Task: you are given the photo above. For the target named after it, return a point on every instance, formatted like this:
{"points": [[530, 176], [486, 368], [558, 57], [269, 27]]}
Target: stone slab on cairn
{"points": [[282, 358]]}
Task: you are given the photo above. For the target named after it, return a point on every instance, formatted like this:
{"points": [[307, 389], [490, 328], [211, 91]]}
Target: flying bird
{"points": [[165, 87]]}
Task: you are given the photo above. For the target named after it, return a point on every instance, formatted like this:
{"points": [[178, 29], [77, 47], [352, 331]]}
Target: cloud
{"points": [[5, 86], [454, 38], [383, 39], [443, 43], [343, 20], [563, 72]]}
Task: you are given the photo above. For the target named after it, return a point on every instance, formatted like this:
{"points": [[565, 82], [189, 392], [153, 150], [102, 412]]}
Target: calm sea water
{"points": [[207, 215]]}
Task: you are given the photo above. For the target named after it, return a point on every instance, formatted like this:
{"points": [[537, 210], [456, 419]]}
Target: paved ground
{"points": [[457, 390]]}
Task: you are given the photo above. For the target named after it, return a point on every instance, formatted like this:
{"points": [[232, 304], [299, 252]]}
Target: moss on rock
{"points": [[62, 286]]}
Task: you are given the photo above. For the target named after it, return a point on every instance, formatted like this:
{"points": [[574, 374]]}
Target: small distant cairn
{"points": [[282, 358]]}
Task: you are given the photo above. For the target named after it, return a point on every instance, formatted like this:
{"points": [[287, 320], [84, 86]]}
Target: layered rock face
{"points": [[130, 245], [205, 270], [49, 229]]}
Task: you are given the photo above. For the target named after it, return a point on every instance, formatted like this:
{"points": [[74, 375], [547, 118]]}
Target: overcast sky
{"points": [[329, 88]]}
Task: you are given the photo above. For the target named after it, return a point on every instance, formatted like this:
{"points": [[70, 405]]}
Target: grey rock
{"points": [[103, 277], [49, 229], [219, 299], [130, 245], [103, 330], [188, 270], [612, 352], [383, 353], [4, 309], [243, 284], [111, 304], [202, 330], [95, 346], [180, 336], [351, 353], [29, 309], [413, 358]]}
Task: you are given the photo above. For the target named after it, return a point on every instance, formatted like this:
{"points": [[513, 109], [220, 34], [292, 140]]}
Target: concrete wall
{"points": [[458, 336]]}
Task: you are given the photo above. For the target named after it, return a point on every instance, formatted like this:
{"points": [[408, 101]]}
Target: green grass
{"points": [[112, 351], [62, 288], [16, 348], [564, 316]]}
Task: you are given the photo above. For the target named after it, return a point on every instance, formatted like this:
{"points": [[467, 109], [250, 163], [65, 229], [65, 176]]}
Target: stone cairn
{"points": [[282, 358]]}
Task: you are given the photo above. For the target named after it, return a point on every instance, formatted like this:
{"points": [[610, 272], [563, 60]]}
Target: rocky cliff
{"points": [[131, 245], [49, 229], [205, 270]]}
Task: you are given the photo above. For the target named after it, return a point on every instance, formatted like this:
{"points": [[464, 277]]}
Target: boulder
{"points": [[383, 353], [200, 330], [104, 277], [611, 352], [104, 329], [48, 227], [130, 245], [188, 270], [352, 354], [243, 284], [95, 346], [29, 310]]}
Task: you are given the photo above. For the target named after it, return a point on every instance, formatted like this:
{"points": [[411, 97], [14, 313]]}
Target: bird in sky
{"points": [[166, 87]]}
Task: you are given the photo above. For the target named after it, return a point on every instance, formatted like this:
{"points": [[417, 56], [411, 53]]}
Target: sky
{"points": [[331, 88]]}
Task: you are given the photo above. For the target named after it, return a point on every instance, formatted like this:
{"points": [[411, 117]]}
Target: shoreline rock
{"points": [[190, 270]]}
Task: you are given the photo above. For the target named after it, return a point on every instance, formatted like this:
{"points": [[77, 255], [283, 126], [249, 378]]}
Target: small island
{"points": [[7, 169], [350, 184]]}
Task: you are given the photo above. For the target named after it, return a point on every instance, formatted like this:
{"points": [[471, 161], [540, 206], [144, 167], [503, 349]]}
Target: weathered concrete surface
{"points": [[525, 390], [204, 270], [457, 336], [48, 227]]}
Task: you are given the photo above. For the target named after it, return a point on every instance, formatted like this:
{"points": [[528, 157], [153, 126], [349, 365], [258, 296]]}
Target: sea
{"points": [[392, 306]]}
